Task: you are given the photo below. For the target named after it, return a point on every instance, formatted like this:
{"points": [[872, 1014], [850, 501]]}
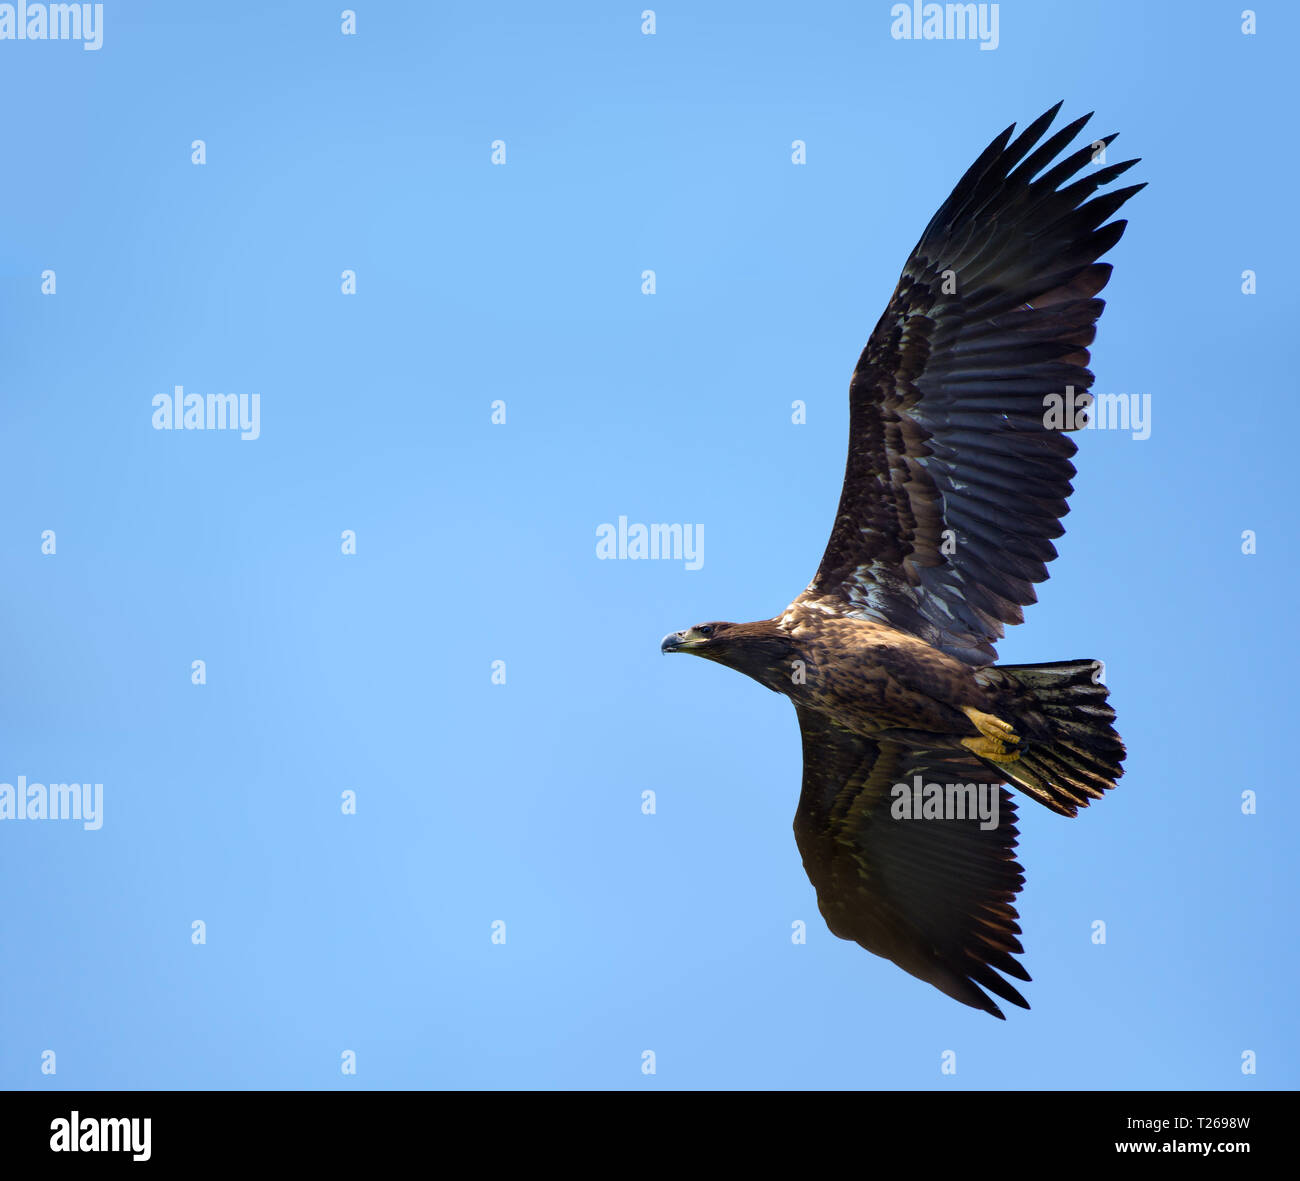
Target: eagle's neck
{"points": [[768, 653]]}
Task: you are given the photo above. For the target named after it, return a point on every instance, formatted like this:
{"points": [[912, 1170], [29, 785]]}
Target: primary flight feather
{"points": [[958, 474]]}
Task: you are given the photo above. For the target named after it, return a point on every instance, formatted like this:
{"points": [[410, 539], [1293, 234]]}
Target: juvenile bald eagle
{"points": [[958, 474]]}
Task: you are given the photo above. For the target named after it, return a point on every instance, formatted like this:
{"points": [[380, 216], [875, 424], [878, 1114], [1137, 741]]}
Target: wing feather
{"points": [[933, 896], [955, 484]]}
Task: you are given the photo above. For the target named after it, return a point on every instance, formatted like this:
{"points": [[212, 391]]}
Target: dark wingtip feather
{"points": [[1027, 138]]}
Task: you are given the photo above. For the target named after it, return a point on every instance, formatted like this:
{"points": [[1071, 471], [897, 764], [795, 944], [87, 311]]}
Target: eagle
{"points": [[957, 478]]}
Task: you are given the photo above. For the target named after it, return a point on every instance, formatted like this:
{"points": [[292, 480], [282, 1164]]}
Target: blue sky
{"points": [[521, 802]]}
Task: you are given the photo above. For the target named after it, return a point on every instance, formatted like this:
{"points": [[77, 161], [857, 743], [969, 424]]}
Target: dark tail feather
{"points": [[1071, 754]]}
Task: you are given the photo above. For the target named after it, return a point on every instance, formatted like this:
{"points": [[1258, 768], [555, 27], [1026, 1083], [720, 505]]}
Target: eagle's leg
{"points": [[996, 737]]}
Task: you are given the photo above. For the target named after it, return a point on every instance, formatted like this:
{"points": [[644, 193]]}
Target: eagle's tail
{"points": [[1070, 753]]}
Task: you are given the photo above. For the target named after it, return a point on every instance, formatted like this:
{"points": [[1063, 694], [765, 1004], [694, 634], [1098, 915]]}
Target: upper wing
{"points": [[955, 482], [934, 896]]}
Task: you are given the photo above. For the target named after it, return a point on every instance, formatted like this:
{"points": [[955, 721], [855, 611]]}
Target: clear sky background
{"points": [[476, 543]]}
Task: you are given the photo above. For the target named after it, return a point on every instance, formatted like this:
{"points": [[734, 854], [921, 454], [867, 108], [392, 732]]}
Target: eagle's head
{"points": [[762, 650]]}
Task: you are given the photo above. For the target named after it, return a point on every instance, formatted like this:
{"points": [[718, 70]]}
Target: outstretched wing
{"points": [[935, 896], [957, 478]]}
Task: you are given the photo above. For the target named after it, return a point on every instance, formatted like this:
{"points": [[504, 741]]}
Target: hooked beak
{"points": [[675, 642]]}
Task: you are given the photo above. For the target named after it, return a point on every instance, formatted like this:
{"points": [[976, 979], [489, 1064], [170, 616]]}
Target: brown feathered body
{"points": [[867, 677]]}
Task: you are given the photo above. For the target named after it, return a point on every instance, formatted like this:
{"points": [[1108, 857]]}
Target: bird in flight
{"points": [[958, 475]]}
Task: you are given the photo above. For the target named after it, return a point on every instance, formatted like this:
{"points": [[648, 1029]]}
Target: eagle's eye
{"points": [[706, 630]]}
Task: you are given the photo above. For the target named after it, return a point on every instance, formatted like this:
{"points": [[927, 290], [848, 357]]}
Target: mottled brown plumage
{"points": [[954, 489]]}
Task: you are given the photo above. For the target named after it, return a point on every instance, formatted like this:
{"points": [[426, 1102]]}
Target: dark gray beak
{"points": [[672, 643]]}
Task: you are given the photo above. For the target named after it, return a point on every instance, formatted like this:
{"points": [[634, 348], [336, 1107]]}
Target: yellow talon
{"points": [[993, 749], [991, 727]]}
